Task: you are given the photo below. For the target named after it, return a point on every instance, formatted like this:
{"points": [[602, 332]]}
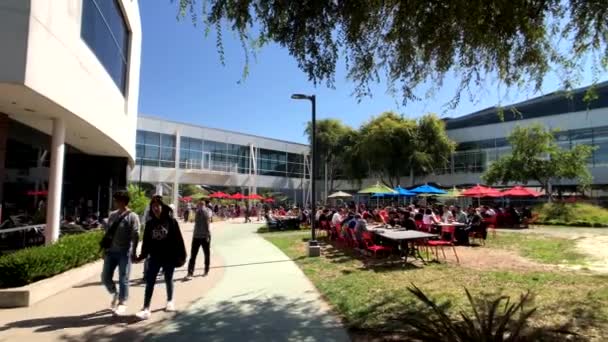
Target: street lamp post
{"points": [[313, 246]]}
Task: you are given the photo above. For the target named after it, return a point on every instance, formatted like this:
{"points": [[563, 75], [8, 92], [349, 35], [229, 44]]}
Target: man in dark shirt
{"points": [[407, 221]]}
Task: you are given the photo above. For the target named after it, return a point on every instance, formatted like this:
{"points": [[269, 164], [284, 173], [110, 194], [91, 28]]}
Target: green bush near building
{"points": [[32, 264], [572, 214]]}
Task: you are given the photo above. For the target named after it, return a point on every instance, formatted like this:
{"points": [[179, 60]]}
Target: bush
{"points": [[138, 201], [32, 264], [493, 318], [572, 214]]}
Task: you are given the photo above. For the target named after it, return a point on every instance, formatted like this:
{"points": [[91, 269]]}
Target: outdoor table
{"points": [[405, 236], [460, 234]]}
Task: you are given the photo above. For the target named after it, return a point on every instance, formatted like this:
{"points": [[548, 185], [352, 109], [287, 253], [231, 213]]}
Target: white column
{"points": [[53, 211], [159, 189], [177, 169]]}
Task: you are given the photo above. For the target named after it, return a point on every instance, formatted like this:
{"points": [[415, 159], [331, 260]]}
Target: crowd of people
{"points": [[415, 217]]}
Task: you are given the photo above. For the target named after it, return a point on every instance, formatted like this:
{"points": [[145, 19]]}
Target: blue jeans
{"points": [[154, 267], [121, 260]]}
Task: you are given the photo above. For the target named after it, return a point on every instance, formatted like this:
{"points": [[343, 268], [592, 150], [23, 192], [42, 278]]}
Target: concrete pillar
{"points": [[159, 189], [177, 169], [3, 137], [53, 211]]}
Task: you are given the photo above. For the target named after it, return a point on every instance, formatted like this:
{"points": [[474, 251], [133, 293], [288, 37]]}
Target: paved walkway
{"points": [[263, 296], [253, 293], [81, 313]]}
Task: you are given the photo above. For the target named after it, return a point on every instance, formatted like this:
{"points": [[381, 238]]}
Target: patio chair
{"points": [[448, 238], [491, 225], [473, 235], [368, 241]]}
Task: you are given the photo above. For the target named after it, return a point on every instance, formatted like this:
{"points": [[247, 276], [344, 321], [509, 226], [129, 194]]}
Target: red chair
{"points": [[368, 241], [491, 224], [324, 226], [448, 232]]}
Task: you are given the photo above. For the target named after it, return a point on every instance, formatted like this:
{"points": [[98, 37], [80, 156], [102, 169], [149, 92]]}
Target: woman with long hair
{"points": [[164, 245]]}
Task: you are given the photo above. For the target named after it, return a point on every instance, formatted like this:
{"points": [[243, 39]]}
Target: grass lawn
{"points": [[374, 301]]}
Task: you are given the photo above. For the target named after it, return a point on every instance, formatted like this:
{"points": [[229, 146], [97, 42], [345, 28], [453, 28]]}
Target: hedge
{"points": [[572, 214], [32, 264]]}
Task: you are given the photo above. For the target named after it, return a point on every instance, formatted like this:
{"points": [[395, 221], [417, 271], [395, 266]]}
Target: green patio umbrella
{"points": [[452, 193], [377, 189]]}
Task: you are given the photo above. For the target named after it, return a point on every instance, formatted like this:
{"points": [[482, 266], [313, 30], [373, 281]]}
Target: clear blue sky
{"points": [[182, 79]]}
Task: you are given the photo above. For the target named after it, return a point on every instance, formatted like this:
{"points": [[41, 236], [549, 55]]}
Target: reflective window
{"points": [[105, 31], [155, 149]]}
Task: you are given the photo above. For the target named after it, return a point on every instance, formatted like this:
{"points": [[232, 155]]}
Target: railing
{"points": [[21, 237]]}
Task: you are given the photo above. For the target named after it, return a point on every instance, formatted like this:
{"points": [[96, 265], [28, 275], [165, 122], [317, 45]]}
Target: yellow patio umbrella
{"points": [[377, 189], [452, 193]]}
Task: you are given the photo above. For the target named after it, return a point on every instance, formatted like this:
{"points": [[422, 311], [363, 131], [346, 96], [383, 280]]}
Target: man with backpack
{"points": [[119, 245]]}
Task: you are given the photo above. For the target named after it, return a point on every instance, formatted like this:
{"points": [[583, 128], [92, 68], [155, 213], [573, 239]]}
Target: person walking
{"points": [[201, 237], [164, 247], [247, 213], [119, 245]]}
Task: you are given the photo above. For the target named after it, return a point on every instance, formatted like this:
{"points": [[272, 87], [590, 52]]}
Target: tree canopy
{"points": [[331, 135], [418, 42], [537, 157], [387, 147]]}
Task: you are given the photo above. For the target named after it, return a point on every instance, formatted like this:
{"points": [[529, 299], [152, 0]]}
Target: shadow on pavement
{"points": [[260, 319], [105, 326]]}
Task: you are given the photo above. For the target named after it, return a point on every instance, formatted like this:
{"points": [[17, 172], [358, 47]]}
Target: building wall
{"points": [[566, 121], [164, 170], [61, 67]]}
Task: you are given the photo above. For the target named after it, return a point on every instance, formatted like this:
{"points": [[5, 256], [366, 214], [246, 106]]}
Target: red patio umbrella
{"points": [[269, 200], [219, 194], [481, 191], [186, 199], [238, 196], [255, 197], [520, 191], [37, 193]]}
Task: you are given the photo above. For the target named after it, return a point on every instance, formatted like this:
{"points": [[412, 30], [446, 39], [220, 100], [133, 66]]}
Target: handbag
{"points": [[106, 241]]}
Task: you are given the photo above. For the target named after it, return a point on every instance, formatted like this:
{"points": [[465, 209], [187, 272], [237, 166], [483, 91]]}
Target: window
{"points": [[105, 31], [155, 149]]}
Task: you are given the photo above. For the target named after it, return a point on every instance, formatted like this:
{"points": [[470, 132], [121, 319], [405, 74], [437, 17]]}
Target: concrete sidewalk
{"points": [[263, 296], [81, 313]]}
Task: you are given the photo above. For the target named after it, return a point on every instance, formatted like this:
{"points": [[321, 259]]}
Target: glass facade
{"points": [[475, 156], [156, 149], [105, 31]]}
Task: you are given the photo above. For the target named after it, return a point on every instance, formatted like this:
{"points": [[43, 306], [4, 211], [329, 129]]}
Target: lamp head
{"points": [[300, 97]]}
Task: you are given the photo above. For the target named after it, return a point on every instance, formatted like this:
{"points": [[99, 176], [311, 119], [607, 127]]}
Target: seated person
{"points": [[447, 216], [461, 215], [477, 224], [429, 218], [407, 221], [360, 228]]}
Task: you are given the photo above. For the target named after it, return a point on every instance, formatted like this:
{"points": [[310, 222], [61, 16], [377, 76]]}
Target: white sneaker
{"points": [[114, 302], [121, 309], [170, 306], [144, 314], [188, 277]]}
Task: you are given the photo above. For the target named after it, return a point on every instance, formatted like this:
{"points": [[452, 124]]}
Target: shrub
{"points": [[32, 264], [572, 214], [139, 200], [495, 318]]}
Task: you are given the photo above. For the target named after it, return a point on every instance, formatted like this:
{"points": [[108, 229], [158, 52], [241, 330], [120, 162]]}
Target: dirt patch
{"points": [[596, 247], [483, 258]]}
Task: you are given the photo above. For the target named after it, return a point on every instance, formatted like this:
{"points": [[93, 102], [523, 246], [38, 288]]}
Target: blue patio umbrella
{"points": [[428, 189], [404, 192], [384, 195]]}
